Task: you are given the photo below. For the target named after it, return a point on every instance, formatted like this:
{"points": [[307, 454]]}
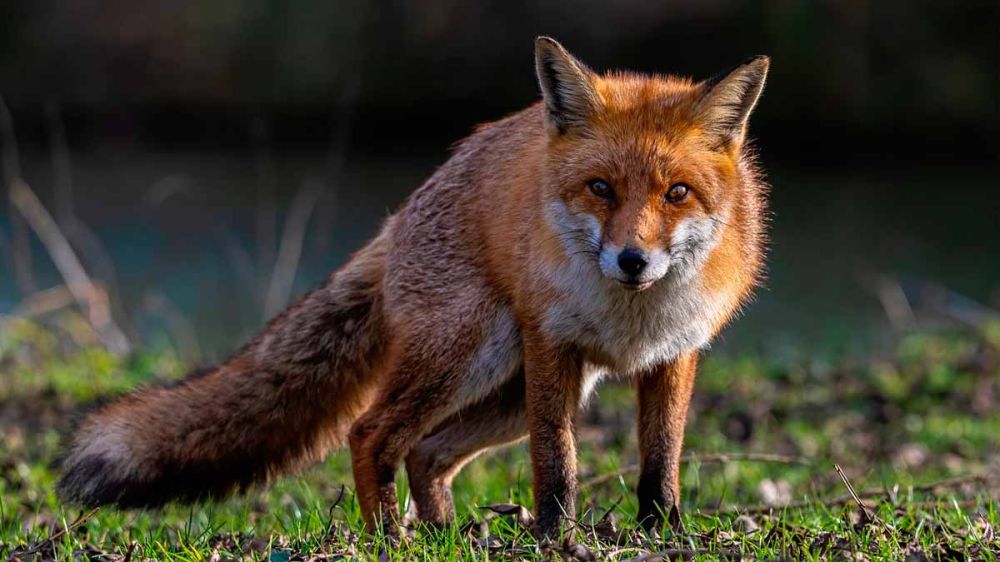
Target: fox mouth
{"points": [[635, 285]]}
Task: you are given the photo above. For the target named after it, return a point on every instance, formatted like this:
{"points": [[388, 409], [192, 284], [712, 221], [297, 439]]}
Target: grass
{"points": [[916, 430]]}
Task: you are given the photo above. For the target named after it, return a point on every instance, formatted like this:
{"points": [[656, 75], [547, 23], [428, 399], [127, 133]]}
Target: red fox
{"points": [[613, 227]]}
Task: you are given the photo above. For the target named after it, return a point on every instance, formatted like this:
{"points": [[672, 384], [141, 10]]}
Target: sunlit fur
{"points": [[489, 306]]}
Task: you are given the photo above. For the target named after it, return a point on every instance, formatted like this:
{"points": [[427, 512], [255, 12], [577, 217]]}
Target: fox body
{"points": [[614, 227]]}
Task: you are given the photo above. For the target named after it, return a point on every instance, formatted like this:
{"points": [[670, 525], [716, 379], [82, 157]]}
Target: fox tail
{"points": [[281, 403]]}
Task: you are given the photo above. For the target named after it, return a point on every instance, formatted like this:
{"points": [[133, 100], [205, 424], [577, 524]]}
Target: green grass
{"points": [[923, 411]]}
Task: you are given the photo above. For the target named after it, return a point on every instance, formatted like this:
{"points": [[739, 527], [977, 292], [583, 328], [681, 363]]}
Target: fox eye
{"points": [[601, 189], [677, 192]]}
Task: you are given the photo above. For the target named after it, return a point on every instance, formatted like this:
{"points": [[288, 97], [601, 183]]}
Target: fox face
{"points": [[641, 207], [644, 170]]}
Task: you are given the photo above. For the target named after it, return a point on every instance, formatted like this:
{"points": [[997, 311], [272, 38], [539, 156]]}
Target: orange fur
{"points": [[487, 309]]}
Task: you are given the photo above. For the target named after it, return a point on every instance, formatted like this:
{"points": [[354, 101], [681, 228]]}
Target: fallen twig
{"points": [[720, 458], [80, 520], [685, 554], [953, 482], [128, 553], [867, 497], [760, 509]]}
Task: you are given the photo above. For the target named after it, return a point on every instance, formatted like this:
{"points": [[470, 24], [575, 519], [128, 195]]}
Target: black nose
{"points": [[632, 262]]}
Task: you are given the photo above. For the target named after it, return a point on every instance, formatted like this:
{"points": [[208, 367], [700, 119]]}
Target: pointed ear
{"points": [[567, 86], [729, 98]]}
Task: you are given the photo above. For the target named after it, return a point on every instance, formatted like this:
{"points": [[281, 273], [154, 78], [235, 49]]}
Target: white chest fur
{"points": [[629, 332]]}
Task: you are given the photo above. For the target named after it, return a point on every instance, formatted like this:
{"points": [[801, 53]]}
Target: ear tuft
{"points": [[730, 97], [567, 86]]}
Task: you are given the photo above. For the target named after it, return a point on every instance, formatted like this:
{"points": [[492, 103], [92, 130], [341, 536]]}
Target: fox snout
{"points": [[633, 267], [632, 262]]}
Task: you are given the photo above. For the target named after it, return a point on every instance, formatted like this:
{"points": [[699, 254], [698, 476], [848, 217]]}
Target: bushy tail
{"points": [[282, 402]]}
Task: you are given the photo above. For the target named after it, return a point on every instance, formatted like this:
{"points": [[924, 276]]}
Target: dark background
{"points": [[171, 140]]}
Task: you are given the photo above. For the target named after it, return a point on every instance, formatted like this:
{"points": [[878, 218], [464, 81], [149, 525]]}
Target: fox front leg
{"points": [[552, 392], [664, 394]]}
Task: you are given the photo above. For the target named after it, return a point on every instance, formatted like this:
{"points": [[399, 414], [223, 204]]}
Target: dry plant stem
{"points": [[894, 302], [6, 255], [849, 486], [61, 167], [83, 238], [954, 306], [90, 298], [248, 281], [290, 251], [10, 166], [10, 160], [702, 459], [44, 302], [265, 220], [867, 513], [180, 328], [302, 209]]}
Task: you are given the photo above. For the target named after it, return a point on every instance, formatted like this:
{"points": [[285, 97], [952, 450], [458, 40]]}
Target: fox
{"points": [[612, 228]]}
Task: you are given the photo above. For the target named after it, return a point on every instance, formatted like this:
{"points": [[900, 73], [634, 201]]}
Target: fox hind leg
{"points": [[497, 420], [416, 397], [437, 372], [407, 408]]}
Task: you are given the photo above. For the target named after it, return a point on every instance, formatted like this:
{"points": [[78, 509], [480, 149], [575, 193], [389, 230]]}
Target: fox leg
{"points": [[663, 394], [553, 379], [407, 408], [498, 420], [458, 356]]}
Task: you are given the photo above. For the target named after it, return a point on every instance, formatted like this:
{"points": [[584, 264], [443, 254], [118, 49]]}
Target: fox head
{"points": [[644, 172]]}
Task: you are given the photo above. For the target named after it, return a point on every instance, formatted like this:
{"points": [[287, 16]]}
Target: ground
{"points": [[775, 446]]}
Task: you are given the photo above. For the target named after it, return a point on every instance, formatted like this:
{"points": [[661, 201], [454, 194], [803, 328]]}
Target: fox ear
{"points": [[567, 86], [729, 98]]}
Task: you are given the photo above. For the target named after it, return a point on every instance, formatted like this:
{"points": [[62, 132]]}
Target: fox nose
{"points": [[632, 262]]}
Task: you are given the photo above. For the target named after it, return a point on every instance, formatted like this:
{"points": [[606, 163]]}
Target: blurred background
{"points": [[208, 161], [172, 174]]}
